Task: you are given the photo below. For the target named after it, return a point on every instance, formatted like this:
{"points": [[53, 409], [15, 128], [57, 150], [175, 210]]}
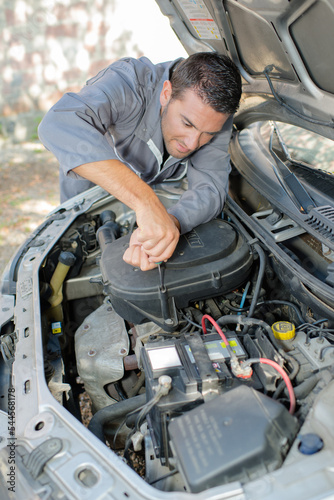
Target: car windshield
{"points": [[304, 146]]}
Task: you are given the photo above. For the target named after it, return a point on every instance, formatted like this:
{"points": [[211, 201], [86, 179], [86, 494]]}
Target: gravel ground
{"points": [[28, 192], [85, 404]]}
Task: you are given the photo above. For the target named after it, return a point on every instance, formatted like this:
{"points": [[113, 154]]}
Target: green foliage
{"points": [[36, 121]]}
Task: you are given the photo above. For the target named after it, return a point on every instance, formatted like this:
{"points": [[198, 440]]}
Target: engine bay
{"points": [[206, 369]]}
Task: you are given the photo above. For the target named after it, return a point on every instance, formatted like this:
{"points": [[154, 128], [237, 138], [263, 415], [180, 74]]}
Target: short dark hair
{"points": [[214, 77]]}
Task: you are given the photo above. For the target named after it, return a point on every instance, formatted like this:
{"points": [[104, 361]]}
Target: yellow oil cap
{"points": [[284, 330]]}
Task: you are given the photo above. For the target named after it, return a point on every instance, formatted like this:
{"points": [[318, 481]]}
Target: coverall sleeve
{"points": [[77, 129]]}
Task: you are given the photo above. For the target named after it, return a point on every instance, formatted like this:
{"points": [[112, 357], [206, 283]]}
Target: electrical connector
{"points": [[241, 370], [165, 384]]}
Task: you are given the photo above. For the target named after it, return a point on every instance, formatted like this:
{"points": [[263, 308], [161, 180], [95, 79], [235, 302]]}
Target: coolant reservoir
{"points": [[284, 330]]}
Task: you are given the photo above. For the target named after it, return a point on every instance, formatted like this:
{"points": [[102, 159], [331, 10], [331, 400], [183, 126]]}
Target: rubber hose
{"points": [[112, 412], [259, 280], [242, 320], [303, 390], [285, 303]]}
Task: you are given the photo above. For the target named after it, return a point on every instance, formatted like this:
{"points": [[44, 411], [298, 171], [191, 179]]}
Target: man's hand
{"points": [[152, 242], [136, 256], [158, 232]]}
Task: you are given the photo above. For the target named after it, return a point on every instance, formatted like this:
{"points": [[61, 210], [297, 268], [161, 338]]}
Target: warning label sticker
{"points": [[200, 19]]}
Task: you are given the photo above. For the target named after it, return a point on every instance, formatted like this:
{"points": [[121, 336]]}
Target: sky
{"points": [[151, 29]]}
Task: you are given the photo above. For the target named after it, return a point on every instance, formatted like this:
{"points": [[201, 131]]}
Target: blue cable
{"points": [[243, 298]]}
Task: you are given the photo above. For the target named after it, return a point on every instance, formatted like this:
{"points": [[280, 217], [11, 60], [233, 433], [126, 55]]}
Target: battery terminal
{"points": [[165, 384]]}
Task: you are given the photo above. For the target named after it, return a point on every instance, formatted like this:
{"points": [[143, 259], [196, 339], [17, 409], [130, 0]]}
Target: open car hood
{"points": [[284, 51]]}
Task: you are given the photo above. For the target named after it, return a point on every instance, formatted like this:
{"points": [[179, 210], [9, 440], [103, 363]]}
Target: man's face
{"points": [[187, 124]]}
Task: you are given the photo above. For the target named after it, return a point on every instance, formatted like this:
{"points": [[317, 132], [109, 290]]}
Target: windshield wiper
{"points": [[288, 180]]}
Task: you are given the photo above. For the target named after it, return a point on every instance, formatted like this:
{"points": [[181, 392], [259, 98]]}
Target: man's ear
{"points": [[166, 93]]}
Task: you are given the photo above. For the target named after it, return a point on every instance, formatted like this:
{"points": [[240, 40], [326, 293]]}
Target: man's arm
{"points": [[158, 232]]}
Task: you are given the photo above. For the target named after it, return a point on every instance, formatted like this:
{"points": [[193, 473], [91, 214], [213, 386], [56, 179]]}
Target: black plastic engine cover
{"points": [[210, 260]]}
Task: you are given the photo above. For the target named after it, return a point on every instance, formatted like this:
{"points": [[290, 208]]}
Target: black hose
{"points": [[259, 280], [323, 350], [262, 257], [303, 390], [120, 391], [271, 302], [242, 320], [262, 266], [138, 385], [229, 306], [114, 412], [109, 230], [285, 303]]}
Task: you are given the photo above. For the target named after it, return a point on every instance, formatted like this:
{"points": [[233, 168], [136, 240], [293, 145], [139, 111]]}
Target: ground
{"points": [[29, 190]]}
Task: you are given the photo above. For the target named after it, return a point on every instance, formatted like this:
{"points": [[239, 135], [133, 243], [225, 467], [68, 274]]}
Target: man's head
{"points": [[204, 90], [214, 77]]}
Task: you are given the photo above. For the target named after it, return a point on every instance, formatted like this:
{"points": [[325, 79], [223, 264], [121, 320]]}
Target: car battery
{"points": [[199, 368]]}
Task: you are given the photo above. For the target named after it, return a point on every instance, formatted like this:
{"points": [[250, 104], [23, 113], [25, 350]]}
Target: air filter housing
{"points": [[210, 260]]}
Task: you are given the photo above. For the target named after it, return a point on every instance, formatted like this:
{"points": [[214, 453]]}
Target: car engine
{"points": [[205, 368]]}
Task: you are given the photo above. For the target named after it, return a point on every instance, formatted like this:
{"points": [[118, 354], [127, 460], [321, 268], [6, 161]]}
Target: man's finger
{"points": [[132, 255], [145, 264], [135, 256], [165, 255]]}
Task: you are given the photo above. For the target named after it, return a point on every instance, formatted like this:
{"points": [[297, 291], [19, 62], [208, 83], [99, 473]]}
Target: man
{"points": [[136, 124]]}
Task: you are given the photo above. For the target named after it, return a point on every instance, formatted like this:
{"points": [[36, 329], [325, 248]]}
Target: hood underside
{"points": [[283, 49]]}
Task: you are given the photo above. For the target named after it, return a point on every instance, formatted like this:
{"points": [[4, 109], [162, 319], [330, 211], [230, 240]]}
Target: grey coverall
{"points": [[116, 115]]}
